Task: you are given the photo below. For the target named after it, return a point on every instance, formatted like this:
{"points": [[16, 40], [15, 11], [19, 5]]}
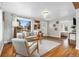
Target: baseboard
{"points": [[52, 37], [77, 48], [6, 42]]}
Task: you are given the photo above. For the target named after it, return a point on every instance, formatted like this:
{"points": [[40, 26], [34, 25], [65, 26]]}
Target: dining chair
{"points": [[40, 36]]}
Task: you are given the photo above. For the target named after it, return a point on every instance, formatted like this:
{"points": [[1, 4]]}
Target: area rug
{"points": [[45, 46]]}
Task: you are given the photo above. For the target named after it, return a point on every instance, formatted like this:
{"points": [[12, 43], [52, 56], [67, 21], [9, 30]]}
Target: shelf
{"points": [[36, 24]]}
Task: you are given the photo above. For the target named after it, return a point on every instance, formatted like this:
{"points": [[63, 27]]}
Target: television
{"points": [[25, 23], [74, 21]]}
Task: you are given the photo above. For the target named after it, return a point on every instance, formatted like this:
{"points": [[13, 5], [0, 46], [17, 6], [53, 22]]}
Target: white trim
{"points": [[77, 48], [6, 42]]}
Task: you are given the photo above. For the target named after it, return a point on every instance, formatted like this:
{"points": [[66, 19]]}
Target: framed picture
{"points": [[57, 22], [54, 25], [56, 29]]}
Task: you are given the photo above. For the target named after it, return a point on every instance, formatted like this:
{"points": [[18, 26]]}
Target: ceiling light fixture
{"points": [[45, 13]]}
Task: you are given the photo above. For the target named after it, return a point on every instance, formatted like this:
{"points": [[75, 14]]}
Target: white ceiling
{"points": [[34, 9]]}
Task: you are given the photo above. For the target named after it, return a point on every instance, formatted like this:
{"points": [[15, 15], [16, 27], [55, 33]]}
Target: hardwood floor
{"points": [[59, 51], [8, 50], [62, 50]]}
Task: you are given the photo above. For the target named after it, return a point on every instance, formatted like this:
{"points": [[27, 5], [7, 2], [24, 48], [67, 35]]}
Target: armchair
{"points": [[23, 47]]}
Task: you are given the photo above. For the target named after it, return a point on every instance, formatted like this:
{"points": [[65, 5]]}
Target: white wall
{"points": [[1, 31], [43, 26], [66, 21], [7, 27], [51, 29], [77, 28]]}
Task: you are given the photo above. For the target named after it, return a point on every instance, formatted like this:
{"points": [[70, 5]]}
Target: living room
{"points": [[55, 21]]}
